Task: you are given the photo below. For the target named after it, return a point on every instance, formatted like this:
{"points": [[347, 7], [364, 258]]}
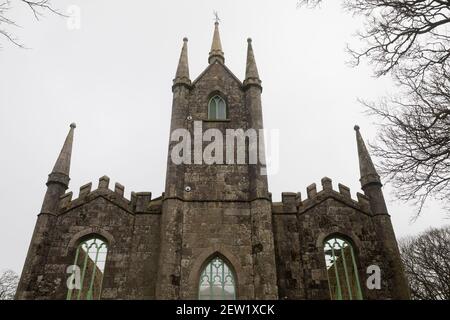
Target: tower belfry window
{"points": [[90, 259], [217, 108], [217, 281], [342, 271]]}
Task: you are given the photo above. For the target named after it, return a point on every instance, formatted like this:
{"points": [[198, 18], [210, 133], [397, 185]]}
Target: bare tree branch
{"points": [[8, 284], [427, 264], [37, 7], [409, 39], [400, 35], [413, 143]]}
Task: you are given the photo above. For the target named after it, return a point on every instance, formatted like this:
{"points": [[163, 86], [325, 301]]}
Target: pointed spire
{"points": [[61, 170], [367, 170], [182, 75], [216, 52], [251, 71]]}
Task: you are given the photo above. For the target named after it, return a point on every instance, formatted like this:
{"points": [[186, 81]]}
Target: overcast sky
{"points": [[113, 77]]}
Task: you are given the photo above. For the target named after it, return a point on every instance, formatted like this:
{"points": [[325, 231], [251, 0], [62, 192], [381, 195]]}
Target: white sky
{"points": [[113, 78]]}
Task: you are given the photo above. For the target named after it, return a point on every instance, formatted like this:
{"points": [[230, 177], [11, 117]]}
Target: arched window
{"points": [[217, 281], [341, 269], [89, 266], [217, 108]]}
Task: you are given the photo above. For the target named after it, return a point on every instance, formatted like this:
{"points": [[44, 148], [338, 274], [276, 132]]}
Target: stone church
{"points": [[215, 232]]}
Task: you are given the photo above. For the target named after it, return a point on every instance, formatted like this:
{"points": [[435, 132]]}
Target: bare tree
{"points": [[409, 39], [8, 284], [426, 259], [37, 8], [409, 36], [414, 141]]}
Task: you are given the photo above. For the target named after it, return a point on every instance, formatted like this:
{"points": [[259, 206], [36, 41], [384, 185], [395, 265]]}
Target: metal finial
{"points": [[216, 17]]}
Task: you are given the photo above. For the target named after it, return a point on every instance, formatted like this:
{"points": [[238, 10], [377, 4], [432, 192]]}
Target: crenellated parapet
{"points": [[139, 202], [292, 202]]}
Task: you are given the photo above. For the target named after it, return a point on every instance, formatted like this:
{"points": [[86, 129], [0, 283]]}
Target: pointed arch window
{"points": [[342, 270], [217, 108], [217, 281], [88, 271]]}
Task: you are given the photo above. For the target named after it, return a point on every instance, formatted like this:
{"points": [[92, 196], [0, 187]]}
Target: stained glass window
{"points": [[217, 108], [342, 270], [90, 259], [217, 281]]}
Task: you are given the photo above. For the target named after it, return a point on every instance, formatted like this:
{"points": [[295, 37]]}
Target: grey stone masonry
{"points": [[158, 247]]}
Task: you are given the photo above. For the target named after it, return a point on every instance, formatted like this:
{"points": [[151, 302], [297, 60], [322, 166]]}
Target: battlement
{"points": [[139, 202], [292, 202]]}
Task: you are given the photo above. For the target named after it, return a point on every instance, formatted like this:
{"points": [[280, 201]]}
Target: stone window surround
{"points": [[219, 93]]}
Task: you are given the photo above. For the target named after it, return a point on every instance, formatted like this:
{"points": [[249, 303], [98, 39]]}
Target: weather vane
{"points": [[216, 17]]}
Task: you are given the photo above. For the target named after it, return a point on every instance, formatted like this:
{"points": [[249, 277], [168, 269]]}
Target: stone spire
{"points": [[216, 52], [58, 179], [62, 165], [182, 75], [367, 170], [251, 71]]}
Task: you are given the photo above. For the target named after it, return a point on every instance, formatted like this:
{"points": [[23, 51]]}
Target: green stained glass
{"points": [[90, 258], [217, 281], [342, 271], [217, 108]]}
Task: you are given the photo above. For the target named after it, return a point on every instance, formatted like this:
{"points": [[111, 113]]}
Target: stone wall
{"points": [[158, 247], [300, 228], [220, 212], [131, 229]]}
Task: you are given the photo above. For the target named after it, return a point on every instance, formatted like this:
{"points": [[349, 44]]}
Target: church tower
{"points": [[216, 203], [215, 232]]}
